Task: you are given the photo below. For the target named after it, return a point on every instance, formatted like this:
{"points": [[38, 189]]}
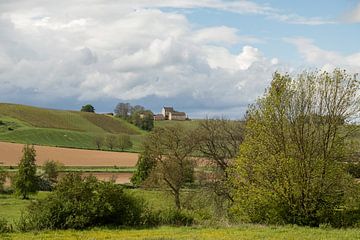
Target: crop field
{"points": [[11, 154]]}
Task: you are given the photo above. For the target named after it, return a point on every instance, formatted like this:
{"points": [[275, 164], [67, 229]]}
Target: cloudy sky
{"points": [[205, 57]]}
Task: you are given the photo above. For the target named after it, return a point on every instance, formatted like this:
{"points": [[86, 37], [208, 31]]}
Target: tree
{"points": [[26, 179], [87, 108], [171, 149], [290, 164], [143, 119], [124, 142], [111, 141], [136, 108], [122, 110], [144, 166], [51, 170], [219, 141], [99, 141]]}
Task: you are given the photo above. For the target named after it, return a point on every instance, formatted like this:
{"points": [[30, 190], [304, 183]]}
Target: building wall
{"points": [[177, 117]]}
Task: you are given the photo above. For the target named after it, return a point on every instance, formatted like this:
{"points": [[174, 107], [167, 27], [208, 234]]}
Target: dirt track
{"points": [[10, 155]]}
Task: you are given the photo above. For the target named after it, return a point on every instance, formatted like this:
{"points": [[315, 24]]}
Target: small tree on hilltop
{"points": [[26, 180], [87, 108]]}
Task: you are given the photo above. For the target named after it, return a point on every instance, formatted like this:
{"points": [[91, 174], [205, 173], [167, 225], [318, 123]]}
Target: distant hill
{"points": [[27, 124]]}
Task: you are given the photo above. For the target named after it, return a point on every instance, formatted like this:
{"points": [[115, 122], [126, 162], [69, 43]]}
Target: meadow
{"points": [[11, 207]]}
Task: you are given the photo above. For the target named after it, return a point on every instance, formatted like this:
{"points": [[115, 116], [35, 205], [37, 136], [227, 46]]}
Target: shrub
{"points": [[353, 169], [4, 226], [2, 179], [79, 203]]}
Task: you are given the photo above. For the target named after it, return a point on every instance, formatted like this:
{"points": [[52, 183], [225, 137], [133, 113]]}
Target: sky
{"points": [[205, 57]]}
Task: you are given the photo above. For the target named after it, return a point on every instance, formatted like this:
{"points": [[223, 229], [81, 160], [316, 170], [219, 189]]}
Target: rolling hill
{"points": [[27, 124]]}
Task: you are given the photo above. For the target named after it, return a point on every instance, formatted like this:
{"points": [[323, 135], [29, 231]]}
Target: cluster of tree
{"points": [[168, 158], [88, 108], [137, 115], [283, 164], [119, 141]]}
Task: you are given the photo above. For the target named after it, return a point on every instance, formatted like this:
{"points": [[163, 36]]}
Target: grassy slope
{"points": [[60, 128]]}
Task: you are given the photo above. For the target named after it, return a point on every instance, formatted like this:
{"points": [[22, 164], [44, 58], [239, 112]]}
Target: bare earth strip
{"points": [[10, 155]]}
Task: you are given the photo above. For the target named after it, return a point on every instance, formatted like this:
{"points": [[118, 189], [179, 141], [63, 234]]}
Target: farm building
{"points": [[169, 113]]}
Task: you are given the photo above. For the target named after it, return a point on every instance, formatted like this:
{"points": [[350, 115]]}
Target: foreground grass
{"points": [[11, 206], [242, 232]]}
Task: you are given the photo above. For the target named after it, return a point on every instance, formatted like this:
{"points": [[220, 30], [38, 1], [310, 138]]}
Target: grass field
{"points": [[11, 207], [26, 124], [176, 233]]}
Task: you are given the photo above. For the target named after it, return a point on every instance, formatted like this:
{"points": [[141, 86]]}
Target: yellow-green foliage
{"points": [[247, 232]]}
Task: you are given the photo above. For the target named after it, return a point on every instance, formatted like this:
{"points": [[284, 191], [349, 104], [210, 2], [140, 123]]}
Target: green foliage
{"points": [[289, 169], [4, 226], [2, 179], [51, 170], [87, 108], [79, 203], [26, 179], [353, 169], [124, 142], [111, 142], [143, 119], [144, 166]]}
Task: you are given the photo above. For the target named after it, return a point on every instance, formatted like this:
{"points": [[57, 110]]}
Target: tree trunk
{"points": [[177, 200]]}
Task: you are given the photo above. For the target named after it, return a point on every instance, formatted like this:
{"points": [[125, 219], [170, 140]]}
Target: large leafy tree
{"points": [[290, 164], [26, 181]]}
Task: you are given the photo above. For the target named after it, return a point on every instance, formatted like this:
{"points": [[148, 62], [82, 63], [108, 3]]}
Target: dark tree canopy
{"points": [[87, 108]]}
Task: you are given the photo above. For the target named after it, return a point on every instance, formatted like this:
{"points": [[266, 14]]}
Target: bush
{"points": [[2, 179], [79, 203], [353, 169], [4, 226]]}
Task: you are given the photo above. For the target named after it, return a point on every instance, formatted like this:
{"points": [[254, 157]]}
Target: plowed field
{"points": [[10, 155]]}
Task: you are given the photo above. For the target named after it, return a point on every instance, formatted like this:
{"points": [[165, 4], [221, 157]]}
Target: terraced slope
{"points": [[27, 124]]}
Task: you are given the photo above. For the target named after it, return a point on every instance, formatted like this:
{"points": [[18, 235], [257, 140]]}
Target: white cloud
{"points": [[324, 58], [127, 54]]}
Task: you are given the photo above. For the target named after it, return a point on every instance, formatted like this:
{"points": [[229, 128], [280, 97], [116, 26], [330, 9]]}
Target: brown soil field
{"points": [[11, 153]]}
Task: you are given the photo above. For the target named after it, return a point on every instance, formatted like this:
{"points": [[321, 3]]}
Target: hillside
{"points": [[26, 124]]}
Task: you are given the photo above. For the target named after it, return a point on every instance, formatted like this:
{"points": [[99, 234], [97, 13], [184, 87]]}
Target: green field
{"points": [[74, 129], [11, 207], [247, 232], [25, 124]]}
